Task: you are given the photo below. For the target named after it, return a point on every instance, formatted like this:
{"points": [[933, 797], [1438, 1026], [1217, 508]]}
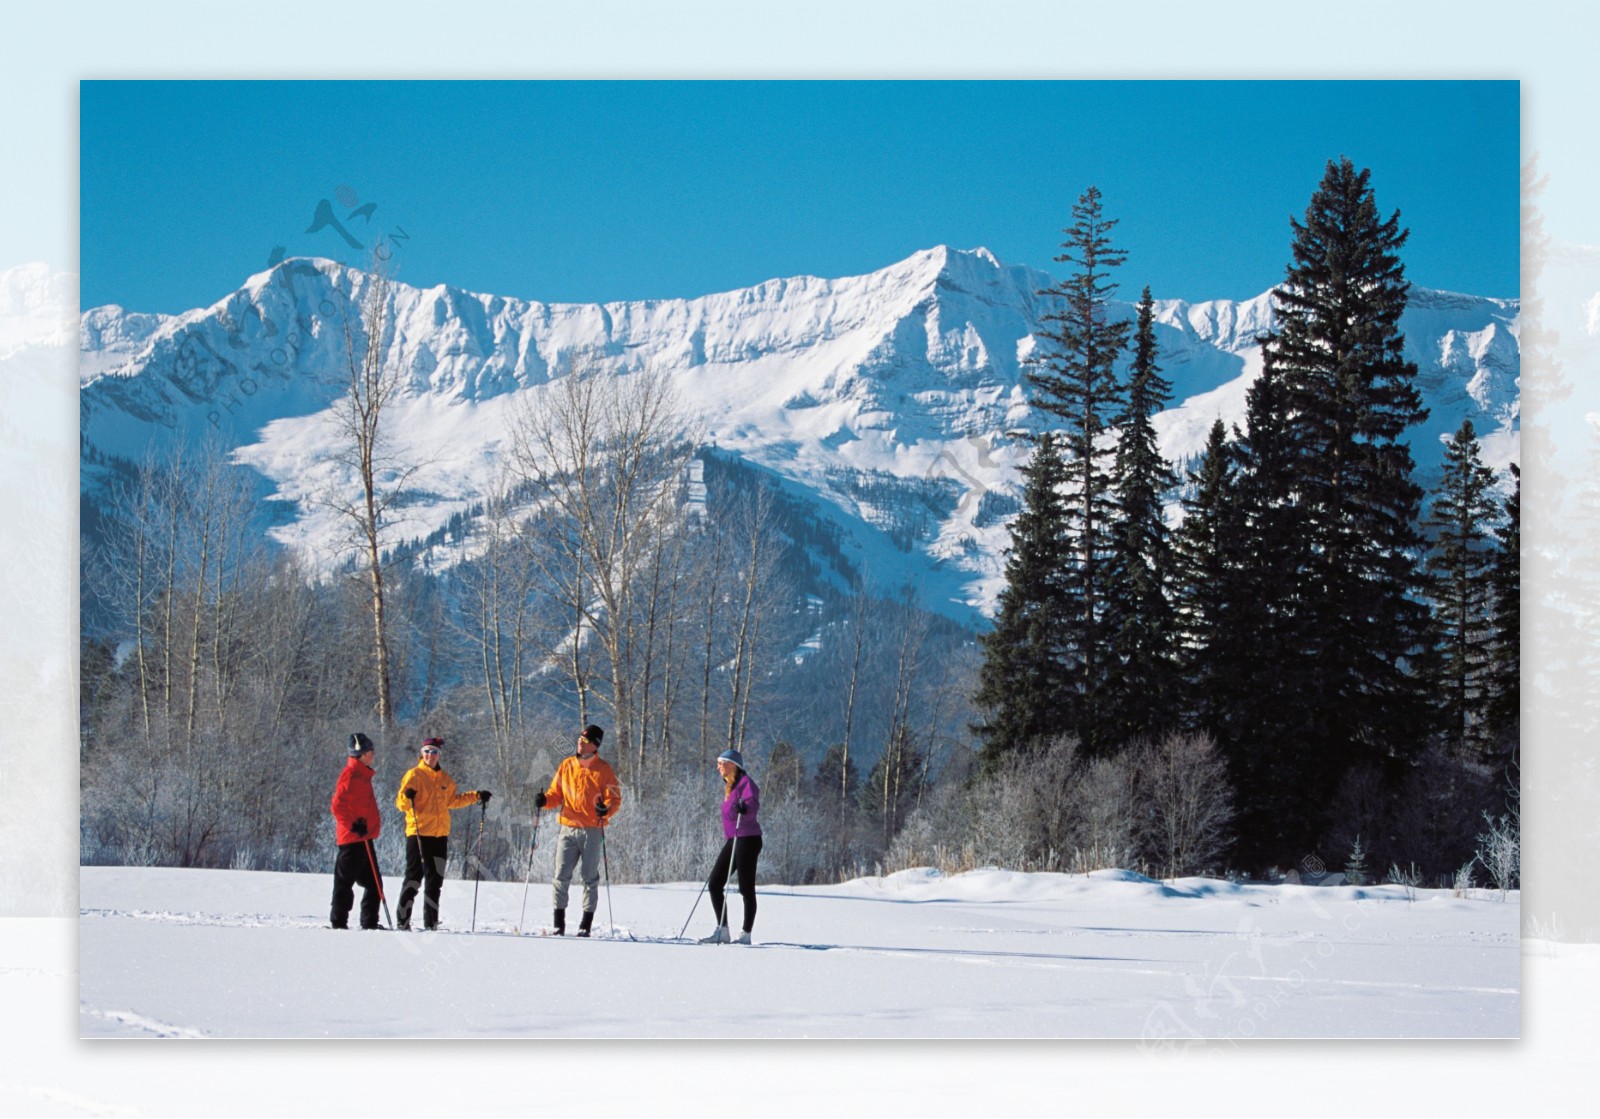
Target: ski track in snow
{"points": [[974, 957], [986, 954], [138, 1022]]}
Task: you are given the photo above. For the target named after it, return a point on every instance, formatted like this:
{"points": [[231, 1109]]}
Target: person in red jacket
{"points": [[355, 813]]}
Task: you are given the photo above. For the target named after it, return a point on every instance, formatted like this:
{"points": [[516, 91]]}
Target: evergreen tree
{"points": [[1505, 669], [1074, 378], [1350, 396], [1261, 661], [833, 772], [1355, 865], [783, 770], [1459, 566], [1141, 696], [1022, 691], [1200, 582]]}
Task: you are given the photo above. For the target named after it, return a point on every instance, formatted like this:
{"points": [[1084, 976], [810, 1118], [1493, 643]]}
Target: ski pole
{"points": [[378, 878], [733, 863], [477, 863], [426, 864], [683, 931], [528, 880], [696, 905], [605, 861]]}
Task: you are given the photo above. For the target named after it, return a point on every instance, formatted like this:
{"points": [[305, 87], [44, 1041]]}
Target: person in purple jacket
{"points": [[741, 802]]}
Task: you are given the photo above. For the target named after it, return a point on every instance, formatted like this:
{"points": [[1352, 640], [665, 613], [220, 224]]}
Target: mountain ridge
{"points": [[912, 372]]}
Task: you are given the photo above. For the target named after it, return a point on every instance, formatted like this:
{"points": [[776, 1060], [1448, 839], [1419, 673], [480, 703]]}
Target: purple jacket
{"points": [[734, 824]]}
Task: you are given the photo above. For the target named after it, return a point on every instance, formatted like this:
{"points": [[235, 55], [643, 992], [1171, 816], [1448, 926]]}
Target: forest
{"points": [[1289, 658]]}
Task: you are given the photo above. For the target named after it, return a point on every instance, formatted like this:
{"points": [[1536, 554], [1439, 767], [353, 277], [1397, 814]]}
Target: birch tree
{"points": [[375, 381], [604, 455]]}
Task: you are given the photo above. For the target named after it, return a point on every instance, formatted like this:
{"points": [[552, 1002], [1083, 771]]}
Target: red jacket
{"points": [[353, 800]]}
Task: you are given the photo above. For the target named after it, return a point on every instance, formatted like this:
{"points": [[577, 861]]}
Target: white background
{"points": [[43, 54]]}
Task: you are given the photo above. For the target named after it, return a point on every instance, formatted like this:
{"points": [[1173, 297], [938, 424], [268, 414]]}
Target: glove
{"points": [[359, 826], [538, 800], [484, 795], [741, 806], [601, 808], [411, 794]]}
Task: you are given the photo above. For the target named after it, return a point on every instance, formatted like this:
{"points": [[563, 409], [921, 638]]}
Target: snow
{"points": [[37, 305], [914, 370], [990, 953]]}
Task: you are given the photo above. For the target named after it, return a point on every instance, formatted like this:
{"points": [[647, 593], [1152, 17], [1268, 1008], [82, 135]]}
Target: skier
{"points": [[741, 802], [427, 796], [585, 789], [355, 814]]}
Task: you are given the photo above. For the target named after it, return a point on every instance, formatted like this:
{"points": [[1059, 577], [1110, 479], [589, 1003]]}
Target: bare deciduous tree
{"points": [[374, 383], [1500, 851], [1187, 802], [605, 455]]}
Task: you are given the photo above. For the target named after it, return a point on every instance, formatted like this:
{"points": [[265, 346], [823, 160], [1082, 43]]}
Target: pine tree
{"points": [[1459, 566], [1350, 397], [1021, 688], [1074, 378], [1505, 669], [1141, 696], [1201, 577], [1261, 662], [1355, 865]]}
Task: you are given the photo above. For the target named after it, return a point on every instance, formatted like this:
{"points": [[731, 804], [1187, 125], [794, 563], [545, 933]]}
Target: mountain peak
{"points": [[886, 396]]}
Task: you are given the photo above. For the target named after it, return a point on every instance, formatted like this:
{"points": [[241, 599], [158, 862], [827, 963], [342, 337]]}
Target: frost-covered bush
{"points": [[1500, 852], [1183, 803]]}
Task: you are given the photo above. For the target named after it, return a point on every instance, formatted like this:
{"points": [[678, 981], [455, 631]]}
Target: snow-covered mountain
{"points": [[867, 395]]}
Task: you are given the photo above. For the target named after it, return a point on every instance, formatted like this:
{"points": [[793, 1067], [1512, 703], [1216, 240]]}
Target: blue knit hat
{"points": [[733, 756]]}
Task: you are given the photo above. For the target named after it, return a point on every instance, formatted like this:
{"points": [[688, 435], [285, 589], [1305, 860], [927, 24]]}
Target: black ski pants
{"points": [[738, 854], [425, 859], [352, 868]]}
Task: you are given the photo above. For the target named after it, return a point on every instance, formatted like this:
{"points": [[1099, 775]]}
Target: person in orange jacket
{"points": [[585, 788], [427, 796]]}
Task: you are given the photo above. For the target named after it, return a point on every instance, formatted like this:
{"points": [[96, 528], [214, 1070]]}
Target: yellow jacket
{"points": [[436, 796], [578, 785]]}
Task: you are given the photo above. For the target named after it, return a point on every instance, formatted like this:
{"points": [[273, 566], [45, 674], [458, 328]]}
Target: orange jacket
{"points": [[578, 785], [436, 796]]}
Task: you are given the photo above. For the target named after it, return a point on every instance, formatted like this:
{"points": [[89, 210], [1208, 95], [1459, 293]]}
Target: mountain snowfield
{"points": [[908, 376]]}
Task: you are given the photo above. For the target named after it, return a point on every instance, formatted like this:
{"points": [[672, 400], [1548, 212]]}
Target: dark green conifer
{"points": [[1201, 580], [1350, 397], [1505, 672], [1074, 379], [1459, 566], [1263, 660], [1023, 690], [1141, 696]]}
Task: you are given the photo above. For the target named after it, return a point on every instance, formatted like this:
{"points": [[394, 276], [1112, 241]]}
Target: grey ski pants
{"points": [[578, 844]]}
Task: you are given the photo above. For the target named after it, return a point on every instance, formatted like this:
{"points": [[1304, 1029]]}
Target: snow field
{"points": [[186, 953]]}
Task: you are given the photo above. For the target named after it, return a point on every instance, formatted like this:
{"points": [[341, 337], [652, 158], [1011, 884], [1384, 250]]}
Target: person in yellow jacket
{"points": [[585, 789], [427, 796]]}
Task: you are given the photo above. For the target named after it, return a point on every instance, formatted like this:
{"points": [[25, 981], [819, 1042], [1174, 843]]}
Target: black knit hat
{"points": [[594, 734], [359, 744]]}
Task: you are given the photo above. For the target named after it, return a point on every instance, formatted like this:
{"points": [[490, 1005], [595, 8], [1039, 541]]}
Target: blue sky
{"points": [[588, 191]]}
